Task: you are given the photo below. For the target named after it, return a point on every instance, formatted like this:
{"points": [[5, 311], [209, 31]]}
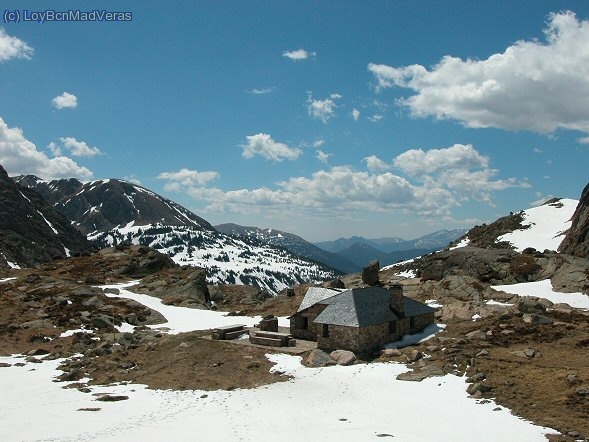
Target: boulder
{"points": [[531, 318], [318, 358], [103, 322], [343, 357], [530, 305]]}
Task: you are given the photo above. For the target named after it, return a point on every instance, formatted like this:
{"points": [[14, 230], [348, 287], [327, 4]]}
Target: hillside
{"points": [[31, 232], [112, 212]]}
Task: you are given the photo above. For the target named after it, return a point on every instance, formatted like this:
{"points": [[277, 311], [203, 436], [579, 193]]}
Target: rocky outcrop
{"points": [[576, 241], [486, 265], [31, 232]]}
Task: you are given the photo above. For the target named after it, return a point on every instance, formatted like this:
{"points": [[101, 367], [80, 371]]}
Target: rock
{"points": [[531, 318], [479, 377], [414, 355], [103, 322], [5, 364], [112, 291], [391, 353], [477, 335], [318, 358], [421, 374], [112, 398], [478, 387], [573, 379], [583, 391], [370, 273], [482, 353], [38, 323], [343, 357], [527, 353], [529, 305]]}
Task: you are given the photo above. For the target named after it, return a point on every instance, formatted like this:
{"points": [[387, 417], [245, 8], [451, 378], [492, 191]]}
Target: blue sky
{"points": [[321, 118]]}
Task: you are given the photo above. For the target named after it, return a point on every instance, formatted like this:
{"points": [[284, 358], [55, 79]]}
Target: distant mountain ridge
{"points": [[291, 242], [435, 240]]}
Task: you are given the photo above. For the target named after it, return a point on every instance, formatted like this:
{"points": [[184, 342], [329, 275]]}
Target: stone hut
{"points": [[361, 320]]}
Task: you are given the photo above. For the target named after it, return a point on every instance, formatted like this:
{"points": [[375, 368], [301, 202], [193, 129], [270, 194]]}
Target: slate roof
{"points": [[315, 295], [363, 307], [414, 308], [357, 308]]}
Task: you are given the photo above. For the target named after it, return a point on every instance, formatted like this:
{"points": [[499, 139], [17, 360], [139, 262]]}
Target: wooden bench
{"points": [[228, 332]]}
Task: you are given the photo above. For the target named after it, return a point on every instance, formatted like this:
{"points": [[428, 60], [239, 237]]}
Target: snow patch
{"points": [[547, 226], [544, 289], [462, 243]]}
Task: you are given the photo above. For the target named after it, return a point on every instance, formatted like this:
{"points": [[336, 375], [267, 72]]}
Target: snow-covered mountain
{"points": [[291, 242], [97, 206], [112, 212]]}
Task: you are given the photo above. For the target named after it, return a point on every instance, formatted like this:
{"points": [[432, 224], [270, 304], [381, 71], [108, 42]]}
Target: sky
{"points": [[320, 118]]}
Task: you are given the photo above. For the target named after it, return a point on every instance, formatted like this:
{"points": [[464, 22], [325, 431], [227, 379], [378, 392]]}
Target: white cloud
{"points": [[322, 110], [20, 156], [76, 148], [459, 168], [373, 163], [186, 178], [376, 118], [537, 150], [318, 143], [322, 156], [299, 54], [429, 191], [418, 162], [532, 85], [263, 91], [264, 146], [355, 114], [65, 100], [12, 47]]}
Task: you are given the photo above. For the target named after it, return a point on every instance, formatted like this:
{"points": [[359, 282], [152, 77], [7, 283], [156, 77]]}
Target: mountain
{"points": [[98, 206], [112, 212], [31, 232], [291, 242], [432, 241], [576, 241], [340, 244], [361, 254]]}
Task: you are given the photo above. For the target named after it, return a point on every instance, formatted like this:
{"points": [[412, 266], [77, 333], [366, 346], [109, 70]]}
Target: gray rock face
{"points": [[486, 265], [576, 241]]}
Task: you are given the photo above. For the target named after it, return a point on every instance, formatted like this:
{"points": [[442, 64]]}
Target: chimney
{"points": [[396, 299]]}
